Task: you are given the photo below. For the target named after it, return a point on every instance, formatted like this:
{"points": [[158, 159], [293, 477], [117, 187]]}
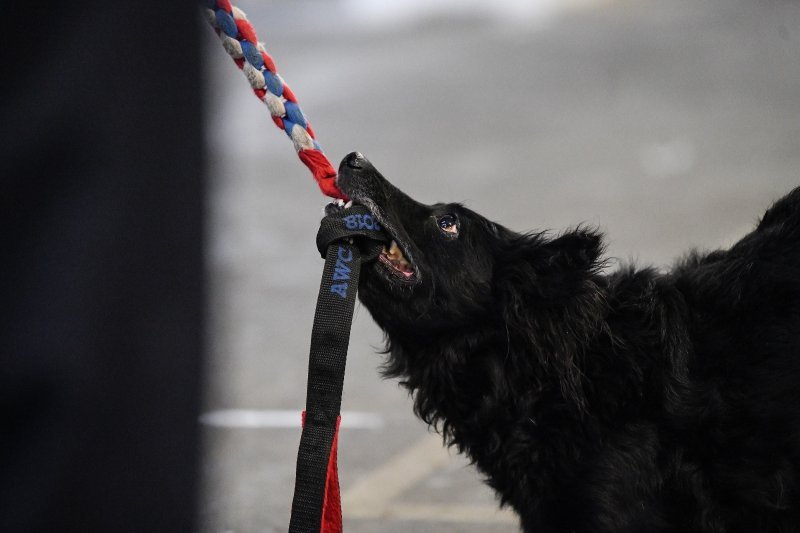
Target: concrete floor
{"points": [[669, 124]]}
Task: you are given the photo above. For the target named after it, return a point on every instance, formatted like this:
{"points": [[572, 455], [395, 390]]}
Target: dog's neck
{"points": [[465, 372], [489, 392], [513, 398]]}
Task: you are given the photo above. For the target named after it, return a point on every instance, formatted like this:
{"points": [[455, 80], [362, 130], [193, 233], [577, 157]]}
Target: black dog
{"points": [[630, 402]]}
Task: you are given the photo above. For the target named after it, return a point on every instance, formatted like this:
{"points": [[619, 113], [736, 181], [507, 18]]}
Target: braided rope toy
{"points": [[241, 42]]}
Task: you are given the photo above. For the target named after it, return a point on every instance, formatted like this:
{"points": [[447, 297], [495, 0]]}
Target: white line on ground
{"points": [[274, 418]]}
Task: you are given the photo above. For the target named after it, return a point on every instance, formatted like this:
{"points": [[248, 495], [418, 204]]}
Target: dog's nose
{"points": [[355, 160]]}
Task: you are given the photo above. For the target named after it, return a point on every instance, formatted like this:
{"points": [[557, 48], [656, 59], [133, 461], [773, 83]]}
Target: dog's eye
{"points": [[448, 224]]}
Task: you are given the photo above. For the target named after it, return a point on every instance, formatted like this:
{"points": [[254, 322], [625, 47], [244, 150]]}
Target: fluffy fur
{"points": [[636, 401]]}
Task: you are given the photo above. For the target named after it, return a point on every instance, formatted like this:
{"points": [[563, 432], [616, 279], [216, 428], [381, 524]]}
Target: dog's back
{"points": [[741, 419]]}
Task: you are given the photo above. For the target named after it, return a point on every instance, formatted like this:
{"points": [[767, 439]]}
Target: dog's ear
{"points": [[578, 249], [544, 268], [547, 292]]}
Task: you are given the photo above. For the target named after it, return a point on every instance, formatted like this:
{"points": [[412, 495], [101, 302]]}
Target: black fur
{"points": [[632, 402]]}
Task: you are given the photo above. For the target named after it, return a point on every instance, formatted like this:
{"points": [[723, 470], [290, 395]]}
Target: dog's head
{"points": [[448, 266], [431, 269]]}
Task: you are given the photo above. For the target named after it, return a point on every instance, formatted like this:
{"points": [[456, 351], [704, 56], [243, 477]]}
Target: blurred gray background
{"points": [[669, 124]]}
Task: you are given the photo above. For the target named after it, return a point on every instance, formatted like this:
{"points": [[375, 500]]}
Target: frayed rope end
{"points": [[323, 172]]}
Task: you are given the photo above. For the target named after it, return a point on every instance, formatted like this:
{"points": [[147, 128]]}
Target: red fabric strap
{"points": [[332, 505], [332, 502]]}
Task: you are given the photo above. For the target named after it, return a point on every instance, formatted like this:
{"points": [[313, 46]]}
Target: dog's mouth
{"points": [[359, 179], [394, 262]]}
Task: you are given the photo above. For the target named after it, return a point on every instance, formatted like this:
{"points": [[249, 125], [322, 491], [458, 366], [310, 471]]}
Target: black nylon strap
{"points": [[342, 236], [329, 339], [355, 223]]}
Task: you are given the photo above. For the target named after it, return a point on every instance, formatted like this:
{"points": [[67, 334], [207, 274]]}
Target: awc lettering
{"points": [[341, 271]]}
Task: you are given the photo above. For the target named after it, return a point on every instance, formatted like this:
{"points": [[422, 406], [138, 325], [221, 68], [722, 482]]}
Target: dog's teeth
{"points": [[396, 254], [348, 205]]}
